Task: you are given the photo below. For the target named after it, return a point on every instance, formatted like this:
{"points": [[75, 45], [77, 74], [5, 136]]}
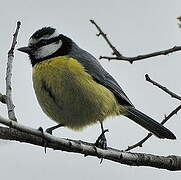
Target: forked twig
{"points": [[142, 141], [119, 56], [115, 51]]}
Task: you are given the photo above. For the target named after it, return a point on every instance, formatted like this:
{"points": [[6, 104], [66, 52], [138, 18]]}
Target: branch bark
{"points": [[119, 56], [9, 101], [25, 134]]}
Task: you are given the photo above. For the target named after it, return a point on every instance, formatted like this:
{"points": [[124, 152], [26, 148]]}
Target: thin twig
{"points": [[29, 135], [173, 95], [9, 101], [119, 56], [143, 56], [141, 142], [115, 51]]}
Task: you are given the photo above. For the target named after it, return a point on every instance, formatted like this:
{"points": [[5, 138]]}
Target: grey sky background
{"points": [[134, 27]]}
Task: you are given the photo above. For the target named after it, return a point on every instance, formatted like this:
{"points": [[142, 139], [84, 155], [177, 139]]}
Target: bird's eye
{"points": [[42, 42], [56, 42]]}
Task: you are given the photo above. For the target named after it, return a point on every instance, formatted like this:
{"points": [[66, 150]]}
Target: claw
{"points": [[101, 141], [44, 140], [49, 131], [40, 129]]}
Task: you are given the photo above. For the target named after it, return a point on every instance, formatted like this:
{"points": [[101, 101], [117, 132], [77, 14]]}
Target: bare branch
{"points": [[143, 56], [22, 133], [173, 95], [175, 111], [9, 102], [139, 143], [115, 51], [142, 141], [119, 56]]}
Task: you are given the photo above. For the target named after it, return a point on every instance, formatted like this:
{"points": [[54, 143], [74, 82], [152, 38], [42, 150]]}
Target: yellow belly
{"points": [[69, 95]]}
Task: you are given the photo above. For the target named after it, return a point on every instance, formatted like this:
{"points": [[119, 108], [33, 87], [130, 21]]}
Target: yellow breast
{"points": [[69, 95]]}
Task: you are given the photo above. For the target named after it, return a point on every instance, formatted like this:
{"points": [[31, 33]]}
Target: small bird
{"points": [[74, 90]]}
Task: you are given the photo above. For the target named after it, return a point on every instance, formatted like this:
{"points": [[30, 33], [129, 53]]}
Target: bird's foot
{"points": [[101, 141], [40, 129], [49, 130]]}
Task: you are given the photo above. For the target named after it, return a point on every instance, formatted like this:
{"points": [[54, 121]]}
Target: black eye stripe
{"points": [[44, 42]]}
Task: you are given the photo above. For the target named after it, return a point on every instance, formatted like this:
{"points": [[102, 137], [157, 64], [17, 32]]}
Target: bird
{"points": [[74, 89]]}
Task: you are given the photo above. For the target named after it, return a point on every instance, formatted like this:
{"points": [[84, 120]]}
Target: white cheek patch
{"points": [[47, 50]]}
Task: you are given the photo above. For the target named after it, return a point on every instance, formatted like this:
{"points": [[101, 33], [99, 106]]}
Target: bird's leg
{"points": [[101, 140], [51, 129], [48, 130]]}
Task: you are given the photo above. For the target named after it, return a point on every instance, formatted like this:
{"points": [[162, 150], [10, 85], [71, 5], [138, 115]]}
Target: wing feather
{"points": [[99, 74]]}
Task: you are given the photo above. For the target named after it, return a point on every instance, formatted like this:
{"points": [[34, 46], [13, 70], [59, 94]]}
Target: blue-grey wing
{"points": [[99, 74]]}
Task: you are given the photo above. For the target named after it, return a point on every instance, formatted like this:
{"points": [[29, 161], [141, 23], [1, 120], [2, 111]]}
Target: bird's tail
{"points": [[149, 124]]}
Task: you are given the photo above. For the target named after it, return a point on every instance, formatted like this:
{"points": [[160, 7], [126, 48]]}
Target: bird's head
{"points": [[46, 43]]}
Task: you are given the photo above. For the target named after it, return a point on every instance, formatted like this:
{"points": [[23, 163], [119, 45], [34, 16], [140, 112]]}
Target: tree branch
{"points": [[175, 111], [115, 51], [25, 134], [143, 56], [142, 141], [173, 95], [9, 101], [119, 56]]}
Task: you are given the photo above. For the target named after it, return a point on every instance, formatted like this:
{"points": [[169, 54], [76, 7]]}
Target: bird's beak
{"points": [[27, 50]]}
